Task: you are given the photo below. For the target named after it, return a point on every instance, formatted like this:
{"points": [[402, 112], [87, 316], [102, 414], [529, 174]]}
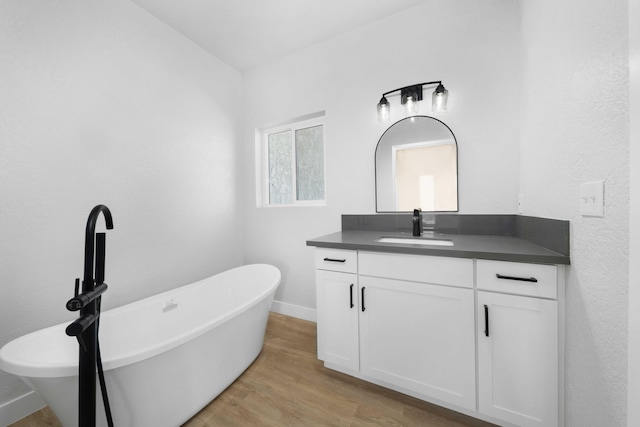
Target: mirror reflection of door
{"points": [[425, 175], [417, 167]]}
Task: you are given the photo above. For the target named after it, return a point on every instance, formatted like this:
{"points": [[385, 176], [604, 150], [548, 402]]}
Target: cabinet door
{"points": [[419, 337], [337, 318], [518, 360]]}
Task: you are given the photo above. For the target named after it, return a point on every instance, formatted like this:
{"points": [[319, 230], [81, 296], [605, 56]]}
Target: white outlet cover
{"points": [[592, 199]]}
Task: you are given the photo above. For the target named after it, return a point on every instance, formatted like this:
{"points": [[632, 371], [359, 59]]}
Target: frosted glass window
{"points": [[280, 168], [293, 164], [309, 164]]}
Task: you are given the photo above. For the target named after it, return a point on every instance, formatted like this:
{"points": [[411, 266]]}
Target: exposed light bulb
{"points": [[411, 106]]}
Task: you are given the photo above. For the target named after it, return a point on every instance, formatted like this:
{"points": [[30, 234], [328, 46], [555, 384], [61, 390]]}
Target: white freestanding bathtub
{"points": [[165, 357]]}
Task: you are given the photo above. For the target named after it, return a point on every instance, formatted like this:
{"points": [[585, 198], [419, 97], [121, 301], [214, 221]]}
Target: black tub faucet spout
{"points": [[89, 245]]}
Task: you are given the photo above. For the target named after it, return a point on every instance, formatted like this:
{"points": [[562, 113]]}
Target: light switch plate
{"points": [[592, 199]]}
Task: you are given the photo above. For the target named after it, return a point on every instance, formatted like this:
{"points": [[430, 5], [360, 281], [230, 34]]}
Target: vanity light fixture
{"points": [[409, 97]]}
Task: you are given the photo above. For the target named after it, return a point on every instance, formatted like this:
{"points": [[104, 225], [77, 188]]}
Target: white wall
{"points": [[472, 46], [633, 411], [574, 129], [102, 103]]}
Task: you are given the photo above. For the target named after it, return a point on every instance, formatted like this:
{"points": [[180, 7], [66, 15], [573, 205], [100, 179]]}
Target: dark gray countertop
{"points": [[501, 248]]}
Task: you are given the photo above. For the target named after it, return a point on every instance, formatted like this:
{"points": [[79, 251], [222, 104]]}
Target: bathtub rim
{"points": [[31, 370]]}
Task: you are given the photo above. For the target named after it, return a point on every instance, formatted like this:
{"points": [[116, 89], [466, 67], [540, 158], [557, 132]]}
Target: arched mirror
{"points": [[417, 167]]}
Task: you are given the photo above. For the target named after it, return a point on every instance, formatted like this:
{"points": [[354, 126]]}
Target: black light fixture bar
{"points": [[409, 95], [414, 88]]}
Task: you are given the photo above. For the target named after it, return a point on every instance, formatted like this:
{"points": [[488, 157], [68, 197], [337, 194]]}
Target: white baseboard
{"points": [[20, 407], [298, 311]]}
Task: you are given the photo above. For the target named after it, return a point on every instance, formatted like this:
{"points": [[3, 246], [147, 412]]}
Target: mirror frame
{"points": [[375, 164]]}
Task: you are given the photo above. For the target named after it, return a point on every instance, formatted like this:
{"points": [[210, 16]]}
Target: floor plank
{"points": [[288, 386]]}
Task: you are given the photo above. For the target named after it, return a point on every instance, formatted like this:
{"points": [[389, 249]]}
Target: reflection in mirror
{"points": [[417, 167]]}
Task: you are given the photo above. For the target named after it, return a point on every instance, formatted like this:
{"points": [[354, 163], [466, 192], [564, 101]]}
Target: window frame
{"points": [[262, 161]]}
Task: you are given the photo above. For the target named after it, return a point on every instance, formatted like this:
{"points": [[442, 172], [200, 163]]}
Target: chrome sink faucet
{"points": [[417, 222]]}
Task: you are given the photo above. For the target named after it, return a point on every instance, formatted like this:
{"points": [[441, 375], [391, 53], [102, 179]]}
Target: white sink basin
{"points": [[415, 241]]}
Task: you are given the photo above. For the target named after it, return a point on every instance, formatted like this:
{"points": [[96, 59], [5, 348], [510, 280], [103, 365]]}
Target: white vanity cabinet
{"points": [[419, 337], [518, 359], [337, 307], [403, 320], [482, 337]]}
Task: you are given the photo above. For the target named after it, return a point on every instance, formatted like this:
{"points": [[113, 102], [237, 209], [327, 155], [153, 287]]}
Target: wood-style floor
{"points": [[288, 386]]}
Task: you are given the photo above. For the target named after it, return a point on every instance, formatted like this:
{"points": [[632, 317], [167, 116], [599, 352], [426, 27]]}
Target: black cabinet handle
{"points": [[362, 292], [521, 279], [335, 260], [486, 320], [351, 296]]}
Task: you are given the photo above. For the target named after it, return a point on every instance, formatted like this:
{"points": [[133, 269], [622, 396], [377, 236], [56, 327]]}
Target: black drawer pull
{"points": [[335, 260], [486, 320], [521, 279], [351, 296], [362, 291]]}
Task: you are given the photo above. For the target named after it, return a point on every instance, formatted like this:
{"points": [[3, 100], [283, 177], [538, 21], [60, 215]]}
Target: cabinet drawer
{"points": [[337, 260], [418, 268], [538, 280]]}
